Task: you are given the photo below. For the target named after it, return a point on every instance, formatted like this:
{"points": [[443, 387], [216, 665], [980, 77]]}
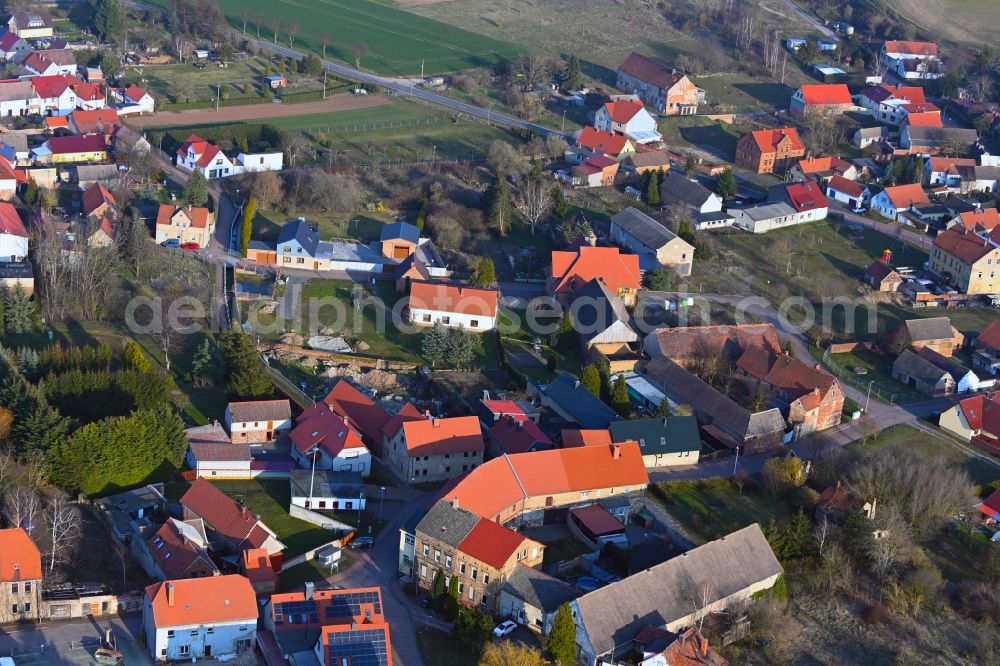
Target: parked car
{"points": [[362, 542], [191, 245], [504, 628], [171, 242], [425, 602], [859, 209]]}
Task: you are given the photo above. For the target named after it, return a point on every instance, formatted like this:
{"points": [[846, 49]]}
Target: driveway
{"points": [[73, 642]]}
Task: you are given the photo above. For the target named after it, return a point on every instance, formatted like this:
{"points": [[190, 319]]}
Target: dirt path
{"points": [[228, 114]]}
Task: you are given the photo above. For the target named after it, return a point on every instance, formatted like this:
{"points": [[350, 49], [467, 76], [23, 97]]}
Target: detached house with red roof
{"points": [[37, 64], [769, 151], [186, 224], [627, 115], [20, 577], [668, 91], [133, 100], [481, 553], [573, 269], [823, 98], [13, 48], [912, 61], [891, 202], [199, 618], [592, 142], [73, 149], [823, 168], [986, 354], [362, 412], [55, 95], [434, 449], [98, 203], [847, 191], [323, 439], [976, 420], [258, 421], [178, 550], [518, 434], [13, 235], [888, 104], [230, 525], [452, 305], [198, 154]]}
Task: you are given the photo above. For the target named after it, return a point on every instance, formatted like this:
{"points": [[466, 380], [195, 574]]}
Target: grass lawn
{"points": [[397, 112], [398, 42], [270, 500], [296, 577], [565, 549], [710, 510], [713, 136], [742, 92], [925, 444], [170, 81], [365, 227], [878, 370], [441, 649]]}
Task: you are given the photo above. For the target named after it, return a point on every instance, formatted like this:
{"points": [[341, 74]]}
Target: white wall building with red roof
{"points": [[453, 306], [13, 235], [626, 115], [198, 154], [133, 100]]}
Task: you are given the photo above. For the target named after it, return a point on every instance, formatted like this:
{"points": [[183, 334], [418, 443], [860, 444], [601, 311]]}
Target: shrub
{"points": [[876, 613]]}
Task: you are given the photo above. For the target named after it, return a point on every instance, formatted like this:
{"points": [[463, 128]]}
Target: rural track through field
{"points": [[229, 114]]}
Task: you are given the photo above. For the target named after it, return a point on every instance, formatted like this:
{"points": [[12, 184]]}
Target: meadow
{"points": [[968, 21]]}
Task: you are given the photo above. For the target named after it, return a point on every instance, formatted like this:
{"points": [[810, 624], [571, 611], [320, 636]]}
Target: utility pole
{"points": [[218, 94], [562, 128], [737, 462], [324, 83], [421, 69], [381, 497]]}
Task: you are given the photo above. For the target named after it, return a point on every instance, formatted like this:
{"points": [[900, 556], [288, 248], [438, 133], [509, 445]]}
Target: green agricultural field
{"points": [[398, 41], [970, 21]]}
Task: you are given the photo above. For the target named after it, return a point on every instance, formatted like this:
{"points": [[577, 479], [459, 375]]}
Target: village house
{"points": [[769, 151], [70, 149], [935, 333], [30, 25], [921, 375], [453, 306], [664, 441], [603, 326], [886, 103], [198, 154], [966, 417], [541, 487], [231, 526], [324, 489], [823, 98], [823, 168], [434, 449], [339, 627], [627, 115], [13, 235], [258, 421], [986, 349], [891, 202], [186, 224], [881, 277], [55, 95], [532, 597], [517, 434], [194, 618], [849, 192], [572, 269], [868, 136], [211, 454], [654, 243], [37, 64], [133, 100], [323, 439], [812, 399], [646, 160], [573, 402], [789, 204], [20, 577], [97, 121], [688, 344], [967, 259], [256, 566], [933, 140], [368, 418], [912, 61], [921, 115], [452, 541], [13, 48], [966, 380], [669, 92], [719, 573], [678, 189], [179, 550], [596, 171], [17, 98], [593, 142], [98, 202]]}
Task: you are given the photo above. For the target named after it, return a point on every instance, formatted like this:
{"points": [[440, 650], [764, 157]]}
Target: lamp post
{"points": [[737, 461], [381, 497], [360, 499], [869, 398]]}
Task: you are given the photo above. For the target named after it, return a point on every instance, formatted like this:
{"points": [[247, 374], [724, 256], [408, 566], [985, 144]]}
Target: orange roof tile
{"points": [[623, 110], [603, 142], [963, 244], [986, 218], [10, 221], [925, 119], [904, 196], [768, 140], [456, 434], [233, 521], [574, 438], [849, 187], [257, 564], [461, 299], [619, 271], [210, 600], [346, 400], [198, 215], [491, 543], [911, 47], [96, 196], [319, 426], [826, 93], [19, 556], [407, 413]]}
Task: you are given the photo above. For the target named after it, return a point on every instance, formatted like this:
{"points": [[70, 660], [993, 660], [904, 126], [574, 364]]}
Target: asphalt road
{"points": [[72, 642]]}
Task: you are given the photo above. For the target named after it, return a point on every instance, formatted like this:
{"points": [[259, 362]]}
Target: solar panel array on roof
{"points": [[349, 604], [365, 647], [296, 612]]}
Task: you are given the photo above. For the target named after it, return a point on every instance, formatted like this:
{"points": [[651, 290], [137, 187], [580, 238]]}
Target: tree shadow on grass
{"points": [[713, 139]]}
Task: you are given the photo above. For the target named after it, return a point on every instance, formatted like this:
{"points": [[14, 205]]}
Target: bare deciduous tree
{"points": [[293, 30], [821, 533], [21, 506], [64, 525], [890, 544], [324, 41], [182, 46], [360, 51], [532, 201], [277, 25], [244, 17]]}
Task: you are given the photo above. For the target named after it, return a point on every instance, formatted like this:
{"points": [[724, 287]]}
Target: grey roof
{"points": [[261, 245], [15, 140], [933, 328], [986, 172], [648, 231], [301, 232], [945, 363], [676, 188], [933, 136], [873, 132], [403, 230], [538, 589], [447, 523], [326, 483], [765, 211], [101, 172], [724, 413], [918, 367], [595, 309], [613, 615], [583, 406], [13, 91], [260, 410], [656, 436], [32, 19]]}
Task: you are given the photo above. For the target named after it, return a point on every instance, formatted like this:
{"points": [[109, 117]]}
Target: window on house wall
{"points": [[447, 561], [427, 550], [437, 555]]}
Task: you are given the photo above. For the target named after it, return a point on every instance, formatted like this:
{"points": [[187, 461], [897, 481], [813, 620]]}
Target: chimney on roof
{"points": [[170, 594], [215, 422], [616, 451], [702, 644], [310, 590], [454, 502], [436, 422]]}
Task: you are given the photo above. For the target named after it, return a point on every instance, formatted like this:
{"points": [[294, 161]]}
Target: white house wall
{"points": [[423, 317]]}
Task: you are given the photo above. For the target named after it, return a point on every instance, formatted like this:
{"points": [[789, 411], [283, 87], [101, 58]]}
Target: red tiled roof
{"points": [[172, 552], [362, 411], [690, 648], [517, 434], [785, 372], [321, 426], [135, 93], [7, 40], [924, 119], [597, 520], [812, 165], [949, 163], [502, 482], [985, 219], [10, 221], [806, 196], [826, 93], [575, 438], [90, 92], [491, 543], [913, 93], [257, 565], [19, 556], [623, 110], [225, 515], [198, 215], [849, 187], [460, 299], [991, 505], [455, 434], [972, 408], [991, 415], [504, 407], [211, 600], [963, 245], [37, 62], [990, 337], [48, 87], [90, 143], [680, 344], [650, 71], [878, 271], [619, 271], [603, 142], [96, 196], [768, 140], [103, 121], [904, 196], [911, 48], [407, 413]]}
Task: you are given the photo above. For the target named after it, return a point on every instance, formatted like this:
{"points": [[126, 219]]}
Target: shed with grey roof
{"points": [[663, 441], [677, 189], [654, 243], [532, 597], [726, 571], [922, 375]]}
